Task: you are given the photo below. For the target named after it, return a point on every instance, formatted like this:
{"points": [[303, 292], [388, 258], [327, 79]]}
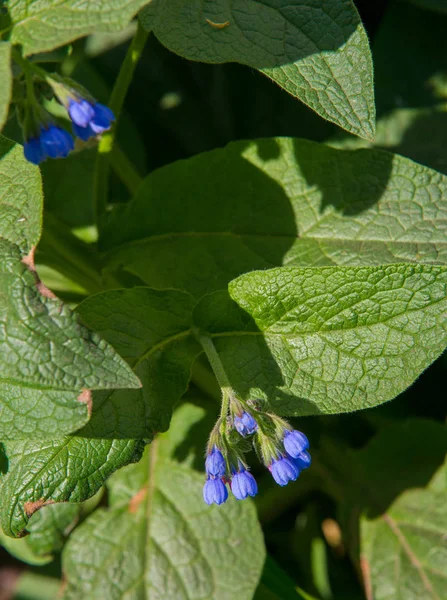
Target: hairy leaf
{"points": [[198, 224], [160, 540], [49, 361], [318, 54], [406, 550], [6, 79], [328, 340], [398, 486], [44, 25], [21, 198], [151, 330]]}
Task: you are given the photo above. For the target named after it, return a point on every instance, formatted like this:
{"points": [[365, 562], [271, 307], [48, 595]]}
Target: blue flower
{"points": [[81, 111], [303, 460], [33, 151], [215, 491], [56, 142], [284, 470], [295, 442], [53, 142], [215, 463], [89, 119], [245, 424], [243, 484]]}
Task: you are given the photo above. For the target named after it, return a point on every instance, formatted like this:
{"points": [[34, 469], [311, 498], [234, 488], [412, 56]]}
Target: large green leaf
{"points": [[320, 54], [159, 540], [328, 340], [152, 331], [406, 549], [199, 223], [6, 79], [49, 362], [44, 25], [396, 485]]}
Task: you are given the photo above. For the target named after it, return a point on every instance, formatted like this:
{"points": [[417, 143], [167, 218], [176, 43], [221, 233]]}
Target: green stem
{"points": [[125, 169], [219, 372], [101, 182]]}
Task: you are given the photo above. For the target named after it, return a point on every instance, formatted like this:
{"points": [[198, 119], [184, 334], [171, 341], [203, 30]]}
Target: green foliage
{"points": [[208, 261], [288, 208], [171, 544], [6, 79], [329, 340], [42, 26], [318, 54]]}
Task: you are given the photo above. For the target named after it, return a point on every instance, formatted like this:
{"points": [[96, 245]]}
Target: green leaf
{"points": [[152, 331], [69, 469], [402, 530], [405, 549], [49, 361], [199, 223], [42, 26], [318, 54], [21, 198], [48, 529], [328, 340], [6, 79], [158, 539]]}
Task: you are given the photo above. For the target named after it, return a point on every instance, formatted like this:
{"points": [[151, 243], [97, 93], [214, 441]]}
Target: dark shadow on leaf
{"points": [[247, 360], [400, 457], [343, 177]]}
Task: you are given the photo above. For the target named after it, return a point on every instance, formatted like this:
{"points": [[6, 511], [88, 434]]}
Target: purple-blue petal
{"points": [[303, 460], [245, 424], [81, 112], [295, 442], [56, 142], [33, 151], [284, 470], [215, 491], [215, 463], [243, 484], [102, 119], [83, 133]]}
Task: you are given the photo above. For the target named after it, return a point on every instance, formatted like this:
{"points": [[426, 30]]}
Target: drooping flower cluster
{"points": [[46, 139], [283, 450]]}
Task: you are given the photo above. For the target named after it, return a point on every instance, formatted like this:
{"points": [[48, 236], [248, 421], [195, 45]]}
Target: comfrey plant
{"points": [[281, 449], [176, 262], [44, 137]]}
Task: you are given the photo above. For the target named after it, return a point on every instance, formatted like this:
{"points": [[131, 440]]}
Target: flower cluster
{"points": [[45, 139], [283, 450]]}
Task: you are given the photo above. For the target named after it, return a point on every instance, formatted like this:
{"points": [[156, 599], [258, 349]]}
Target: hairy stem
{"points": [[102, 171], [219, 372]]}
